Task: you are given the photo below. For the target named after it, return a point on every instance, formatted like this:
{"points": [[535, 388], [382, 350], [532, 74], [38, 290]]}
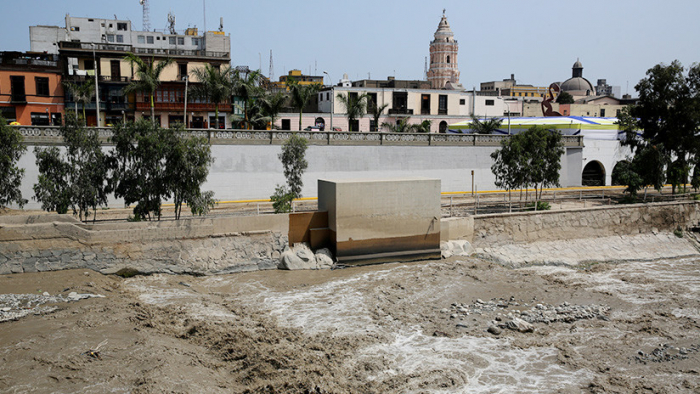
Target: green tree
{"points": [[52, 189], [486, 126], [271, 104], [624, 173], [400, 126], [301, 94], [82, 93], [667, 115], [139, 158], [531, 158], [80, 178], [215, 86], [147, 77], [246, 86], [187, 168], [355, 107], [293, 158], [565, 98], [11, 150], [376, 112]]}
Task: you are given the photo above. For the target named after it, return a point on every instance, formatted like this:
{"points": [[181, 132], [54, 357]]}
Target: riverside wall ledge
{"points": [[194, 246], [596, 222], [203, 246], [50, 135]]}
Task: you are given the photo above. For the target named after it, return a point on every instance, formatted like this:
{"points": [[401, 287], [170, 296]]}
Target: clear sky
{"points": [[536, 40]]}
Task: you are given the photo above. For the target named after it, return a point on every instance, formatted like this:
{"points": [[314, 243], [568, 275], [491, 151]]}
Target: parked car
{"points": [[313, 128]]}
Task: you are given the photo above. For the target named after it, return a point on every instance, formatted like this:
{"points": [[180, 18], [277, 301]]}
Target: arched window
{"points": [[593, 174], [320, 123], [443, 126], [448, 58]]}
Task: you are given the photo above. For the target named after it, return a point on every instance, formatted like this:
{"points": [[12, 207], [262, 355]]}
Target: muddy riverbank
{"points": [[433, 327]]}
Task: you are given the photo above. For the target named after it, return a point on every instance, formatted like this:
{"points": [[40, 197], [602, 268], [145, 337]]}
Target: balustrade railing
{"points": [[34, 135]]}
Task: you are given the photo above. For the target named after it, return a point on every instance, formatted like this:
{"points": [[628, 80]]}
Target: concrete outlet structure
{"points": [[373, 221]]}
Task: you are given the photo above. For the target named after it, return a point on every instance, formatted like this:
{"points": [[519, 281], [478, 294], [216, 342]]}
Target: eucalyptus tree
{"points": [[355, 107], [246, 86], [79, 177], [214, 85], [147, 75], [82, 93], [11, 149], [301, 94]]}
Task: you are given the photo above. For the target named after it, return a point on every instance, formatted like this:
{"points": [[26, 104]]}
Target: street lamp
{"points": [[332, 97], [97, 91]]}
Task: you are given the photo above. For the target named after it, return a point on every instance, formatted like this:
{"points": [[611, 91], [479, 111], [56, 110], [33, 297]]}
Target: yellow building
{"points": [[299, 77]]}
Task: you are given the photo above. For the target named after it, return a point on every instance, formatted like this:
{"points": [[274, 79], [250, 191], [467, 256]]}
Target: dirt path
{"points": [[420, 327]]}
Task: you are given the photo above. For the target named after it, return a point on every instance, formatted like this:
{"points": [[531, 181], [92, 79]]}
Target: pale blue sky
{"points": [[536, 40]]}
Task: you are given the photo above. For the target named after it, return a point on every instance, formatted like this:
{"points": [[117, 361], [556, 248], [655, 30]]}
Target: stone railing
{"points": [[50, 135]]}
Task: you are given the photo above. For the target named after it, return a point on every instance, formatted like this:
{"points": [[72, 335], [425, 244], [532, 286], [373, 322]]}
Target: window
{"points": [[89, 64], [40, 118], [56, 119], [425, 104], [149, 40], [110, 37], [42, 86], [115, 69], [371, 101], [120, 38], [490, 102], [141, 39], [443, 127], [222, 122], [195, 41], [442, 104], [602, 112], [462, 101], [171, 40], [182, 69], [75, 28], [181, 41], [399, 102], [286, 124], [121, 26], [448, 58], [372, 125], [328, 96], [17, 88]]}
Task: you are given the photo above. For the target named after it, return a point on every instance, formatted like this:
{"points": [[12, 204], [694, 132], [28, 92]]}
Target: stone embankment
{"points": [[194, 246], [249, 243]]}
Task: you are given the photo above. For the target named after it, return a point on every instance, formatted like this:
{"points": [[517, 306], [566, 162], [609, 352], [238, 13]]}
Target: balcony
{"points": [[18, 98], [180, 52], [400, 111], [180, 106]]}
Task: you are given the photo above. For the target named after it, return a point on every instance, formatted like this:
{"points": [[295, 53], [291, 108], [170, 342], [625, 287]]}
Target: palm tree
{"points": [[376, 112], [423, 127], [82, 94], [355, 107], [301, 94], [246, 87], [147, 77], [487, 126], [402, 126], [271, 105], [215, 86]]}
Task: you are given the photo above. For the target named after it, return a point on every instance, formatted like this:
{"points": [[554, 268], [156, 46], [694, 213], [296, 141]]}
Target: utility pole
{"points": [[97, 90]]}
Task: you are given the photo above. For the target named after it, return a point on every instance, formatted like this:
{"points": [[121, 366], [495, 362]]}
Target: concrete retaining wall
{"points": [[198, 246], [490, 230]]}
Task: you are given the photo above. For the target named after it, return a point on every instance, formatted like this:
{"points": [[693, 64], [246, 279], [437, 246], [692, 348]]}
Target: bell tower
{"points": [[443, 57]]}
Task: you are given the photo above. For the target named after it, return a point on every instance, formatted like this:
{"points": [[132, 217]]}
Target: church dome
{"points": [[577, 64], [578, 86]]}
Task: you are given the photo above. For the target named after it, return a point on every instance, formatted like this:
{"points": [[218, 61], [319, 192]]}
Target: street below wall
{"points": [[459, 325]]}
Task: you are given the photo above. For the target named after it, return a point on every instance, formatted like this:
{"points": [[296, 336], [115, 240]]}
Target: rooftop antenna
{"points": [[146, 19], [221, 24], [171, 22], [204, 7], [425, 69], [272, 68]]}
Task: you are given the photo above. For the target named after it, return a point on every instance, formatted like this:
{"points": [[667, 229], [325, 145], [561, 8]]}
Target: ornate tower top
{"points": [[444, 72]]}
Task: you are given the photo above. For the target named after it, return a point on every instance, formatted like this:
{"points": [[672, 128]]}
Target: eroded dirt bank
{"points": [[420, 327]]}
